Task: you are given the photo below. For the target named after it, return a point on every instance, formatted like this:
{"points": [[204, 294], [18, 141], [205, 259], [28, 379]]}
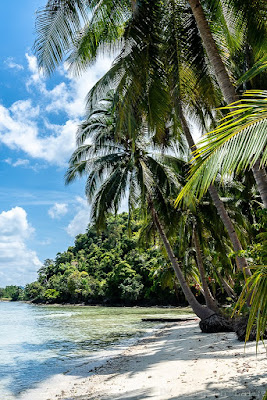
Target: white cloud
{"points": [[24, 110], [28, 126], [81, 219], [58, 210], [37, 76], [19, 131], [19, 163], [24, 163], [68, 96], [18, 263], [71, 98], [10, 63]]}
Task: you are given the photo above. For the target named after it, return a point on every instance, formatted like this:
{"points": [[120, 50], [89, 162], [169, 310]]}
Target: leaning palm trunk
{"points": [[226, 220], [224, 82], [201, 311], [209, 299], [210, 321], [241, 262], [230, 292]]}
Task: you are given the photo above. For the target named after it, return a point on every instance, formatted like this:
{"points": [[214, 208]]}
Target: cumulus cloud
{"points": [[81, 219], [28, 125], [19, 131], [18, 263], [69, 96], [58, 210], [36, 76]]}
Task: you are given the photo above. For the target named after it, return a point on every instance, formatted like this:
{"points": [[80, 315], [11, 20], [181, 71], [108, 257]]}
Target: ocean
{"points": [[39, 342]]}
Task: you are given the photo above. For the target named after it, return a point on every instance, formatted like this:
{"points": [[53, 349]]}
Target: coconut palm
{"points": [[125, 165], [163, 93], [234, 146], [255, 291], [172, 63], [61, 23], [251, 14], [87, 45]]}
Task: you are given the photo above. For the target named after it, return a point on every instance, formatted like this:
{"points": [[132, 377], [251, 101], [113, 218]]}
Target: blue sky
{"points": [[39, 215]]}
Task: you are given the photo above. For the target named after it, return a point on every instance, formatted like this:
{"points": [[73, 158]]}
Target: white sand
{"points": [[178, 362]]}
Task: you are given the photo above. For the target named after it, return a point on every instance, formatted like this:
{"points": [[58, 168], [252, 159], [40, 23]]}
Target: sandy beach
{"points": [[176, 362]]}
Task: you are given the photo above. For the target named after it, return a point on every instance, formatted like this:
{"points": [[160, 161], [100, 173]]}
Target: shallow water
{"points": [[37, 342]]}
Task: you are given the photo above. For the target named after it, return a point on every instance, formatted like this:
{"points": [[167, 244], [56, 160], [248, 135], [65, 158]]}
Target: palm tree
{"points": [[256, 293], [251, 15], [240, 261], [60, 24], [205, 235], [164, 89], [88, 47], [145, 39], [119, 165], [234, 146]]}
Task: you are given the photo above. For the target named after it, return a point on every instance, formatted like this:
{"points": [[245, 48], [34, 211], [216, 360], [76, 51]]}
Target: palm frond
{"points": [[251, 16], [109, 195], [233, 146], [259, 67], [255, 290], [102, 34], [56, 26]]}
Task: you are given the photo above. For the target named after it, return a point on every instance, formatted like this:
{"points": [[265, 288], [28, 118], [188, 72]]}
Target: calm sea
{"points": [[38, 342]]}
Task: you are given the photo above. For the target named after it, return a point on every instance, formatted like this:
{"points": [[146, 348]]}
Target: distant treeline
{"points": [[105, 268], [12, 292]]}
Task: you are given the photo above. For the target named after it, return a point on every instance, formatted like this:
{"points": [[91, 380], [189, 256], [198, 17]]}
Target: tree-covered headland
{"points": [[127, 265], [107, 268]]}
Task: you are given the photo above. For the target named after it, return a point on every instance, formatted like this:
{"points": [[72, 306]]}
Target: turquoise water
{"points": [[37, 342]]}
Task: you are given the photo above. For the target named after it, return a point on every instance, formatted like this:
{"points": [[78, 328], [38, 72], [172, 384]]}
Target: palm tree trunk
{"points": [[210, 301], [240, 261], [231, 293], [261, 180], [224, 82], [201, 311], [210, 321]]}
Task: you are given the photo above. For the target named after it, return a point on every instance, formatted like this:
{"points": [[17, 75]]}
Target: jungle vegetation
{"points": [[107, 268], [178, 63]]}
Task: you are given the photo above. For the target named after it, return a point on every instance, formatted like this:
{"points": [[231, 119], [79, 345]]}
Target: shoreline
{"points": [[176, 361], [64, 382], [185, 307]]}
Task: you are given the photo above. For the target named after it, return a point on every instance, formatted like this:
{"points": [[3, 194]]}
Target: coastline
{"points": [[174, 361]]}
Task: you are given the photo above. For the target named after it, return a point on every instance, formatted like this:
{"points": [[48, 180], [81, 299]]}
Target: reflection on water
{"points": [[37, 342]]}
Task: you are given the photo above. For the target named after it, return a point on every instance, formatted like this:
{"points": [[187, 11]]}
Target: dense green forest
{"points": [[123, 265], [107, 268]]}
